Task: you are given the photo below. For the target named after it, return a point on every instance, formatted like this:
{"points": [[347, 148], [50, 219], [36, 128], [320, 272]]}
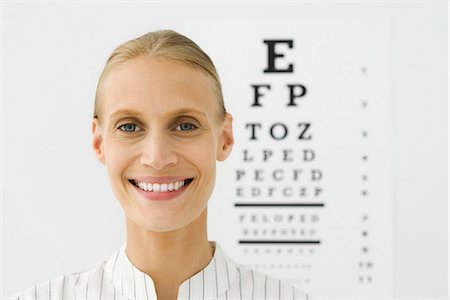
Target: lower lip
{"points": [[161, 196]]}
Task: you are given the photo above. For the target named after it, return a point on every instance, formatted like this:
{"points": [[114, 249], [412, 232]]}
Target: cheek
{"points": [[117, 158], [201, 154]]}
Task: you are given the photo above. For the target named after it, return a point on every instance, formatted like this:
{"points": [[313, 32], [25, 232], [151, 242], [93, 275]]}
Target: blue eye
{"points": [[129, 127], [186, 127]]}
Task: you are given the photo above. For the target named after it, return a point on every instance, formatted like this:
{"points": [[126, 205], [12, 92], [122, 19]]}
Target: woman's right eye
{"points": [[129, 127]]}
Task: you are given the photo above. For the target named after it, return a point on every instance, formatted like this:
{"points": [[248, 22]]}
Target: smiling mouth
{"points": [[161, 187]]}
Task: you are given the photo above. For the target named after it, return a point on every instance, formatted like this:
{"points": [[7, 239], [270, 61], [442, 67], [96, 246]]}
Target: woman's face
{"points": [[160, 138]]}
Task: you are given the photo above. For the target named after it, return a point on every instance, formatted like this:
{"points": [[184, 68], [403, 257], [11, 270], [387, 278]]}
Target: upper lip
{"points": [[159, 179]]}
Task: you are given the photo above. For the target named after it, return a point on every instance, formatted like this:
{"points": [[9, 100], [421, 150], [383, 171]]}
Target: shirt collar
{"points": [[211, 282]]}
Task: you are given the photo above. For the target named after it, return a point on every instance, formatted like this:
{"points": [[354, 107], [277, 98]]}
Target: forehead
{"points": [[157, 86]]}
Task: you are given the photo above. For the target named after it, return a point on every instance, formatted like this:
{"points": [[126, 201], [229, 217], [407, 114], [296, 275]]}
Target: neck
{"points": [[169, 258]]}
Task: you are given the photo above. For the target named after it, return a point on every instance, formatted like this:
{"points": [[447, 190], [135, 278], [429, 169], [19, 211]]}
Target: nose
{"points": [[158, 152]]}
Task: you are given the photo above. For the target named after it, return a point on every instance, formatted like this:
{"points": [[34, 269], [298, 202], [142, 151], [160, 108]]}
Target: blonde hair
{"points": [[163, 44]]}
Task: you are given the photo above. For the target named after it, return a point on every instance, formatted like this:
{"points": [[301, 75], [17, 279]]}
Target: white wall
{"points": [[52, 54]]}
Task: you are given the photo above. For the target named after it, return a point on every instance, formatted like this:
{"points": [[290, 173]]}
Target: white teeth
{"points": [[160, 187]]}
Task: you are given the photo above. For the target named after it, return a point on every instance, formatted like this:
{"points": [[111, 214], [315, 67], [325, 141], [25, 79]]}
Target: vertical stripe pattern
{"points": [[63, 286], [189, 295], [253, 285], [217, 281], [101, 284], [203, 284], [279, 289], [87, 286], [117, 278], [145, 284], [265, 287], [240, 285]]}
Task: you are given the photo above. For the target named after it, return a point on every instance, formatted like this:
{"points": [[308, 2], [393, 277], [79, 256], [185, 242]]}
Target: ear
{"points": [[97, 140], [226, 140]]}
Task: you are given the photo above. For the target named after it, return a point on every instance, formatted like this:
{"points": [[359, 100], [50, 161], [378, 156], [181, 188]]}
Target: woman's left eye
{"points": [[186, 127], [129, 127]]}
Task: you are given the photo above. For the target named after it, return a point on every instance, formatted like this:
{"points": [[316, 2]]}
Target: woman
{"points": [[159, 126]]}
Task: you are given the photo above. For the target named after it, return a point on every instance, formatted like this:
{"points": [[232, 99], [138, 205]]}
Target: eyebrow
{"points": [[181, 111], [124, 112]]}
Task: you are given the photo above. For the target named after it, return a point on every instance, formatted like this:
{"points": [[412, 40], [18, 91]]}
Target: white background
{"points": [[58, 214], [327, 56]]}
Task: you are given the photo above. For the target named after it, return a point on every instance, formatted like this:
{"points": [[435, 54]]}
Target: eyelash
{"points": [[193, 127], [121, 127]]}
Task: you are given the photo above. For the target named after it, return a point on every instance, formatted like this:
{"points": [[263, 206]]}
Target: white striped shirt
{"points": [[117, 278]]}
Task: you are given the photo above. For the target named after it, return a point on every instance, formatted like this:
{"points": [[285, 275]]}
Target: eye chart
{"points": [[307, 193]]}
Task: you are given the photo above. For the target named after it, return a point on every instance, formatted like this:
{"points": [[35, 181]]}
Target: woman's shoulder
{"points": [[269, 286], [55, 288]]}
